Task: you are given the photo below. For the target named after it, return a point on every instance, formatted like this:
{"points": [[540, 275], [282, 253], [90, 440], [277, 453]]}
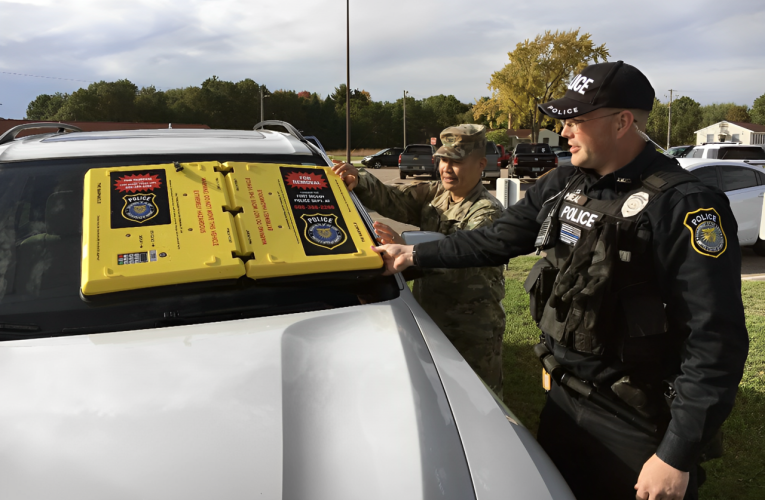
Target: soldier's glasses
{"points": [[574, 124]]}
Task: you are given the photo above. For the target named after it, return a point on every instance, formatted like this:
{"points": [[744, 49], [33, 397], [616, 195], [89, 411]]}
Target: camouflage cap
{"points": [[462, 140]]}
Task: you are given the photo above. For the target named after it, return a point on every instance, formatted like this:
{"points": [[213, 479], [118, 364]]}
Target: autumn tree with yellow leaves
{"points": [[539, 71]]}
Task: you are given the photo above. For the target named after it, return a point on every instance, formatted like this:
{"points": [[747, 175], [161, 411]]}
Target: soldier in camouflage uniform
{"points": [[465, 303]]}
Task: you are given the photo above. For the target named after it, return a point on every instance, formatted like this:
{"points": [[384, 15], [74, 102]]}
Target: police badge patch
{"points": [[322, 230], [707, 235], [140, 207]]}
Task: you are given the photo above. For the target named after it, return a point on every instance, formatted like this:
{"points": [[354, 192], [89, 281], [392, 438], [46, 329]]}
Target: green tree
{"points": [[539, 71], [738, 114], [686, 120], [151, 106], [656, 128], [499, 137], [725, 111], [758, 110], [45, 106]]}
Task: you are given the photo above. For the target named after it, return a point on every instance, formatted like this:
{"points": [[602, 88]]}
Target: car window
{"points": [[696, 153], [753, 153], [711, 153], [419, 150], [563, 154], [738, 178], [41, 207], [523, 148], [540, 149], [708, 176], [491, 149]]}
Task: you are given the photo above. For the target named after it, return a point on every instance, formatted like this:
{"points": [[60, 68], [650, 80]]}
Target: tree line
{"points": [[539, 70], [236, 105], [688, 116]]}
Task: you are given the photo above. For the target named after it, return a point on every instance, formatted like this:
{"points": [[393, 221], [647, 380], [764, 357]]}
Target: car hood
{"points": [[334, 404]]}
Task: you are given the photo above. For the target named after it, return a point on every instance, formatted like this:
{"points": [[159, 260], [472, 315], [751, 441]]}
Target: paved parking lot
{"points": [[752, 266]]}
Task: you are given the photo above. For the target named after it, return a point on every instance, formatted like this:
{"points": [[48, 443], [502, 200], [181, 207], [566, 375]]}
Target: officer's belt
{"points": [[563, 378]]}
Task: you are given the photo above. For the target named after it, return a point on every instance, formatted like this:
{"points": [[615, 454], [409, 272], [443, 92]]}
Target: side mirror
{"points": [[415, 237]]}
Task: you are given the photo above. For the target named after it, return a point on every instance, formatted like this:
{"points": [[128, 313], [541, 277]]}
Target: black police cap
{"points": [[604, 85]]}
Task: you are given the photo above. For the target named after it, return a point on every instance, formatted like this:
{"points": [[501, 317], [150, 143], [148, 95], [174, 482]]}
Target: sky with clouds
{"points": [[709, 51]]}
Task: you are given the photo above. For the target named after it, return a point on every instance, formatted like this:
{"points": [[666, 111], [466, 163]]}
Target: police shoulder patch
{"points": [[707, 235]]}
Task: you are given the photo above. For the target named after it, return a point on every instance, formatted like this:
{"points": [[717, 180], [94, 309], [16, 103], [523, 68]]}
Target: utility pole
{"points": [[404, 119], [347, 81], [261, 102], [669, 117]]}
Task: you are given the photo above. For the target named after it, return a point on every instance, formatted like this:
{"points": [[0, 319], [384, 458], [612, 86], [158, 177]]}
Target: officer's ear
{"points": [[624, 123]]}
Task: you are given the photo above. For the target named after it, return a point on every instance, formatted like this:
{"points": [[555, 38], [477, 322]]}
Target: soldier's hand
{"points": [[660, 481], [387, 235], [396, 257], [348, 173]]}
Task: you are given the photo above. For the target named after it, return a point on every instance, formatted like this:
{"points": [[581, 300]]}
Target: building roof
{"points": [[519, 133], [754, 127], [6, 125]]}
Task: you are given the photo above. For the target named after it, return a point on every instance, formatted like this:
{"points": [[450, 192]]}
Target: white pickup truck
{"points": [[752, 154]]}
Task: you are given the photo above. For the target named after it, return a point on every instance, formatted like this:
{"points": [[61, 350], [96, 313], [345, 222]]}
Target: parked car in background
{"points": [[725, 151], [532, 160], [326, 385], [417, 159], [678, 151], [744, 185], [564, 158], [387, 157], [493, 164]]}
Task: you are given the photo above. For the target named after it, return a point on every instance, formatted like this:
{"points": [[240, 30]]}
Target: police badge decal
{"points": [[322, 230], [707, 235], [140, 207]]}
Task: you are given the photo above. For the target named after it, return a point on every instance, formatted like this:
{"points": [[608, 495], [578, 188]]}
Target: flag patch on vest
{"points": [[707, 235], [569, 234]]}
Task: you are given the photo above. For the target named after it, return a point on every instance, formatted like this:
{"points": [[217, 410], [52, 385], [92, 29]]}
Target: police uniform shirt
{"points": [[697, 263]]}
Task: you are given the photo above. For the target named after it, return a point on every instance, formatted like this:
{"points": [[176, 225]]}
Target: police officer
{"points": [[638, 297], [466, 304]]}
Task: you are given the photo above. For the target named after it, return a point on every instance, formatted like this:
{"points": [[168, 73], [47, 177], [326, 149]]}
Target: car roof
{"points": [[719, 163], [145, 142]]}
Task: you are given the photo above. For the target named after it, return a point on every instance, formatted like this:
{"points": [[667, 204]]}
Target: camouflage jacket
{"points": [[461, 301]]}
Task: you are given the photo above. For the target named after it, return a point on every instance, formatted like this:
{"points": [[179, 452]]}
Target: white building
{"points": [[745, 133], [545, 136]]}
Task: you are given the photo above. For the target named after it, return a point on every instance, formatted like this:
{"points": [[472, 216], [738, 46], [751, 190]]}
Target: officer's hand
{"points": [[387, 235], [660, 481], [348, 173], [396, 257]]}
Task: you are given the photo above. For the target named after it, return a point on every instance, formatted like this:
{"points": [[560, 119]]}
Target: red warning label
{"points": [[305, 180], [134, 183]]}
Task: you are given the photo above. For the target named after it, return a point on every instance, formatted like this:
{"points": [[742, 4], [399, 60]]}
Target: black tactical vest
{"points": [[596, 292]]}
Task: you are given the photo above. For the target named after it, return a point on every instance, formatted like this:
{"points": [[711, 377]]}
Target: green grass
{"points": [[739, 474]]}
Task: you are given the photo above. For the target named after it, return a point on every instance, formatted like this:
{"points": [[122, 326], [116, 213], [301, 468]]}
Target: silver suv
{"points": [[323, 385]]}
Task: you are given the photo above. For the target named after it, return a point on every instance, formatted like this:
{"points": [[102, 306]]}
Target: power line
{"points": [[49, 77]]}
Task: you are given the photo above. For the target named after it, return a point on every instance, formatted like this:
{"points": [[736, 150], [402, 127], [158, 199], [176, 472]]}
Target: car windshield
{"points": [[41, 207], [419, 150], [677, 152], [532, 148], [741, 153]]}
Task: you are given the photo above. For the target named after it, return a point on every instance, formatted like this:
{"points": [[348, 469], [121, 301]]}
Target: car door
{"points": [[742, 186]]}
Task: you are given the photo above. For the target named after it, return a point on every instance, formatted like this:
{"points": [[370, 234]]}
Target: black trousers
{"points": [[599, 455]]}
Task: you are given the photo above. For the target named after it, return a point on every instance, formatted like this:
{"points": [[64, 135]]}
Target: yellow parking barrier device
{"points": [[297, 220], [156, 225]]}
